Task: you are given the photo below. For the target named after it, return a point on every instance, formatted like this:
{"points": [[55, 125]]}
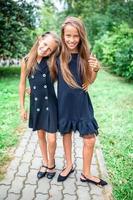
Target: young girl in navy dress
{"points": [[39, 66], [77, 69]]}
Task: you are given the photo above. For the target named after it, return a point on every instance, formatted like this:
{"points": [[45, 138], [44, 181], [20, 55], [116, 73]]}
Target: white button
{"points": [[36, 98], [47, 108], [45, 86], [38, 109], [46, 97], [34, 87], [44, 75], [32, 76]]}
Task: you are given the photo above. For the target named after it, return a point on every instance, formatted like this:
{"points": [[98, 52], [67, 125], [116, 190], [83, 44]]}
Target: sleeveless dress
{"points": [[75, 110], [43, 101]]}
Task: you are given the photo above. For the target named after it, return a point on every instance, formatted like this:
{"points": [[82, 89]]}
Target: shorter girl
{"points": [[40, 68], [74, 104]]}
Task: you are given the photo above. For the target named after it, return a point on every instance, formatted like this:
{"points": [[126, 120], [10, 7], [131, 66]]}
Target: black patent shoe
{"points": [[63, 178], [50, 175], [41, 174], [100, 183]]}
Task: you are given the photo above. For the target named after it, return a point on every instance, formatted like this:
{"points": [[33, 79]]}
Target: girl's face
{"points": [[71, 38], [46, 46]]}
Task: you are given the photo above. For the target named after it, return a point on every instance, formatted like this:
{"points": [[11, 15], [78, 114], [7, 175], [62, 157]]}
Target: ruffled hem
{"points": [[84, 127]]}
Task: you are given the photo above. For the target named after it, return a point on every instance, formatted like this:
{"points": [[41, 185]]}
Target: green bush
{"points": [[9, 71], [115, 50]]}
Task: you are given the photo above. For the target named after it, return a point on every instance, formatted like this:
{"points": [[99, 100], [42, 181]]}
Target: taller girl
{"points": [[76, 69]]}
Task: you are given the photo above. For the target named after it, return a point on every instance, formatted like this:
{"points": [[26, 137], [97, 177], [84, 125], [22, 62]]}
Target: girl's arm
{"points": [[22, 87], [94, 66]]}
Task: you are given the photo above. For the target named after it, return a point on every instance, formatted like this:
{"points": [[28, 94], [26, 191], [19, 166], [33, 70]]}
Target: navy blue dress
{"points": [[75, 109], [43, 101]]}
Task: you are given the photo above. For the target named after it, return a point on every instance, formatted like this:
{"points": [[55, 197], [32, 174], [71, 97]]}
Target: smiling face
{"points": [[71, 38], [46, 46]]}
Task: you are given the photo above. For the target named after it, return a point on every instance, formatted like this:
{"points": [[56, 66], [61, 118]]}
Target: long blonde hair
{"points": [[83, 50], [31, 58]]}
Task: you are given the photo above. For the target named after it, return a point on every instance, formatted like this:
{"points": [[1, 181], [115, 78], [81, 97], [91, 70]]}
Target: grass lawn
{"points": [[112, 98], [9, 114]]}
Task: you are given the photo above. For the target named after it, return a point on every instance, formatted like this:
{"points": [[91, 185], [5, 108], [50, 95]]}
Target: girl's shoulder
{"points": [[26, 58], [23, 62]]}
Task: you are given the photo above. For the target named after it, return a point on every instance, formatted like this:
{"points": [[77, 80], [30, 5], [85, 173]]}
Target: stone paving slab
{"points": [[21, 183]]}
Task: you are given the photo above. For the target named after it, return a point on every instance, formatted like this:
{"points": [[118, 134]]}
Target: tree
{"points": [[50, 18], [17, 20]]}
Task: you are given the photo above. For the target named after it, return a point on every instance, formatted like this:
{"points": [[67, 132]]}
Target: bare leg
{"points": [[51, 149], [88, 149], [67, 143], [43, 146]]}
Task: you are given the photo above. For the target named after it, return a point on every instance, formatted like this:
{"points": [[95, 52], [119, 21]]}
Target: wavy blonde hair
{"points": [[31, 58], [83, 50]]}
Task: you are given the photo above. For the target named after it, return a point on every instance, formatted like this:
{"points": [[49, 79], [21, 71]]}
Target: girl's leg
{"points": [[51, 137], [43, 146], [67, 144], [88, 149]]}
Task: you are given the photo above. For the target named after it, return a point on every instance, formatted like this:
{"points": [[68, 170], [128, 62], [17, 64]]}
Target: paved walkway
{"points": [[21, 182]]}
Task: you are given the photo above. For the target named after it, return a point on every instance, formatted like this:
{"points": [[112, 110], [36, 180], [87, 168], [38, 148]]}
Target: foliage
{"points": [[9, 71], [17, 19], [50, 18], [115, 50]]}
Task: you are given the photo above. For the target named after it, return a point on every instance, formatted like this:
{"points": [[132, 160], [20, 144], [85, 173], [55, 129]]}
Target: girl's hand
{"points": [[94, 63], [85, 86], [23, 114], [28, 91]]}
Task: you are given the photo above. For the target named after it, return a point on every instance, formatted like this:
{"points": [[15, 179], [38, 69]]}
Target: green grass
{"points": [[9, 113], [112, 98]]}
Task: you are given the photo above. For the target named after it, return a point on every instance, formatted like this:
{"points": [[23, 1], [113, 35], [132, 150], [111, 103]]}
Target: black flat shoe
{"points": [[50, 175], [42, 174], [100, 183], [63, 178]]}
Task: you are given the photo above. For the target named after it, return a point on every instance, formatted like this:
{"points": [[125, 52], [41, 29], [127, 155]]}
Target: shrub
{"points": [[9, 71], [115, 50]]}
